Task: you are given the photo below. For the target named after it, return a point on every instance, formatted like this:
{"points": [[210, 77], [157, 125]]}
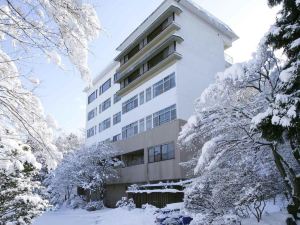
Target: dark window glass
{"points": [[142, 97], [116, 138], [151, 154], [104, 87], [157, 30], [92, 114], [106, 104], [92, 97], [158, 58], [130, 130], [164, 116], [135, 50], [161, 152], [130, 104], [104, 125], [117, 118], [148, 94]]}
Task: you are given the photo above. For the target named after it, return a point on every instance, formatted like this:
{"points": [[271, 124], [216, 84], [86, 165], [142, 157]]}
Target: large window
{"points": [[92, 114], [104, 125], [106, 104], [92, 97], [104, 87], [161, 152], [158, 58], [117, 118], [164, 85], [130, 104], [91, 132], [133, 158], [130, 130], [164, 116]]}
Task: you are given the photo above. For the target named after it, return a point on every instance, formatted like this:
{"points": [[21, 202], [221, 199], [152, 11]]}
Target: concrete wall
{"points": [[156, 171]]}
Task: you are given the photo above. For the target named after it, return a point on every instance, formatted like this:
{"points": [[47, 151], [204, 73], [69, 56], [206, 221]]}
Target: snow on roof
{"points": [[161, 184], [208, 17], [166, 190], [192, 6]]}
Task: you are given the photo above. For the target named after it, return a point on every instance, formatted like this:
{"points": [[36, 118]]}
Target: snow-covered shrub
{"points": [[19, 203], [88, 169], [126, 203], [94, 205], [76, 202]]}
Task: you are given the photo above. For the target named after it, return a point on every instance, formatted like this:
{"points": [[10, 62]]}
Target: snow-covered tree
{"points": [[66, 143], [31, 29], [87, 168], [232, 156], [19, 201], [281, 120]]}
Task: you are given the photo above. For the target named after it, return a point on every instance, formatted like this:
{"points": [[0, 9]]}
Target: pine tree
{"points": [[283, 120]]}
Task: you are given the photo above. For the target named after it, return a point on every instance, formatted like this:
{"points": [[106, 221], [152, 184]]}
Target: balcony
{"points": [[119, 76], [163, 36], [163, 25]]}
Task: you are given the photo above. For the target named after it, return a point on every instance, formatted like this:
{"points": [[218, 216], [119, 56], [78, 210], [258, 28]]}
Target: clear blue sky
{"points": [[61, 90]]}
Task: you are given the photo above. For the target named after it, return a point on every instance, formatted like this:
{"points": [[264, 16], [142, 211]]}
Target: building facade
{"points": [[141, 100]]}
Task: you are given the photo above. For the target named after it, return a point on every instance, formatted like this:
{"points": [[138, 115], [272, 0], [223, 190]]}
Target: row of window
{"points": [[104, 87], [158, 88], [155, 154], [156, 119]]}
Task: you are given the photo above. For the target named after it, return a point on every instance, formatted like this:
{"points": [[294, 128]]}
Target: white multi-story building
{"points": [[140, 100]]}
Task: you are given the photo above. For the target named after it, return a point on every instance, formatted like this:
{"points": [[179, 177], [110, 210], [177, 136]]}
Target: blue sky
{"points": [[61, 90]]}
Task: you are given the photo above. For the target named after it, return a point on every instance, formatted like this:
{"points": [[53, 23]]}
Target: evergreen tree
{"points": [[282, 121]]}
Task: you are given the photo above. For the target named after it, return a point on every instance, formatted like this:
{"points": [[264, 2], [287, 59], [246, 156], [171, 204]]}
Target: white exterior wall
{"points": [[202, 57], [202, 51], [142, 111]]}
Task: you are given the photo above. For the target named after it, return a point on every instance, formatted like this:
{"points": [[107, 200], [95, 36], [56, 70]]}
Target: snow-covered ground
{"points": [[119, 216], [102, 217]]}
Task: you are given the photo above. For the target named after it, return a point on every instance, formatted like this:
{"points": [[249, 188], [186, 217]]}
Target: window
{"points": [[117, 118], [158, 58], [130, 104], [161, 152], [116, 98], [134, 75], [92, 114], [148, 94], [104, 87], [133, 158], [104, 125], [164, 116], [142, 98], [148, 122], [142, 125], [157, 30], [116, 138], [92, 97], [91, 132], [164, 85], [130, 54], [106, 104], [130, 130]]}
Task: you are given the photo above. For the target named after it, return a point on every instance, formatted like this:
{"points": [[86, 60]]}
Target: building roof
{"points": [[193, 7]]}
